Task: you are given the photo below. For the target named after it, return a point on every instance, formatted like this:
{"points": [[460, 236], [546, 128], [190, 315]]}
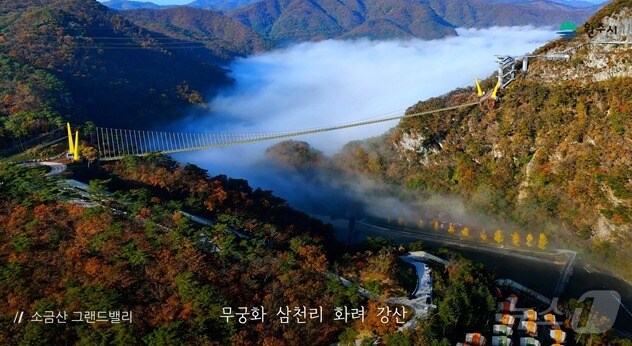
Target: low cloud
{"points": [[332, 82]]}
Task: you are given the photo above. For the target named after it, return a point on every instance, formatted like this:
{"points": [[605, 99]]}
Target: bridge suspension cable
{"points": [[113, 144]]}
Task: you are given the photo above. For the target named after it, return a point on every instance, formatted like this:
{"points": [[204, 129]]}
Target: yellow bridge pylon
{"points": [[495, 91], [73, 145], [480, 93]]}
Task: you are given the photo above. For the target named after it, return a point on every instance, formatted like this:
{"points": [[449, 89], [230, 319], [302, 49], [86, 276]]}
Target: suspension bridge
{"points": [[114, 144]]}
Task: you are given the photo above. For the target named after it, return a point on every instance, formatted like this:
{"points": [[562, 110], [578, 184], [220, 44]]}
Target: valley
{"points": [[184, 162]]}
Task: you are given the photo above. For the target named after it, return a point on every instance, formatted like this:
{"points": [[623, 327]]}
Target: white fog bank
{"points": [[332, 82]]}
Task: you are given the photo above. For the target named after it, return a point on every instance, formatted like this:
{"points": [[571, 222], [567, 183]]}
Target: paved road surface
{"points": [[55, 167]]}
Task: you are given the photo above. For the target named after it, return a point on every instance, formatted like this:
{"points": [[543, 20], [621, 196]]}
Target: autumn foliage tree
{"points": [[159, 265]]}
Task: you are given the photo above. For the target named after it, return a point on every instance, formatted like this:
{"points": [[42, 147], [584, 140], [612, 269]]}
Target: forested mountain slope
{"points": [[155, 263], [555, 154], [130, 5], [483, 13], [179, 279], [220, 5], [77, 60], [224, 36], [299, 20]]}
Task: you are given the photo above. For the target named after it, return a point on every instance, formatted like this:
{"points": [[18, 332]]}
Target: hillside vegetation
{"points": [[136, 251], [127, 69], [483, 13], [225, 37], [555, 154], [166, 270], [79, 61], [299, 20], [130, 5], [220, 5]]}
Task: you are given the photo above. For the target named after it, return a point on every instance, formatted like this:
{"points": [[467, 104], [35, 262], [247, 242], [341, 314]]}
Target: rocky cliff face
{"points": [[555, 154], [600, 52]]}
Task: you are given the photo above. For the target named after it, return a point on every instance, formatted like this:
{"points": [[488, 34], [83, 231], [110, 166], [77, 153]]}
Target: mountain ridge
{"points": [[222, 35], [554, 154], [479, 13], [220, 5], [112, 71], [130, 5], [215, 5], [571, 3], [290, 21], [300, 20]]}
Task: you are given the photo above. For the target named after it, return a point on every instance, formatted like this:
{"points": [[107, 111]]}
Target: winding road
{"points": [[55, 167]]}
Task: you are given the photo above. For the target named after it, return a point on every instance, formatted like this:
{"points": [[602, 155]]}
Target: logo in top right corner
{"points": [[568, 30]]}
